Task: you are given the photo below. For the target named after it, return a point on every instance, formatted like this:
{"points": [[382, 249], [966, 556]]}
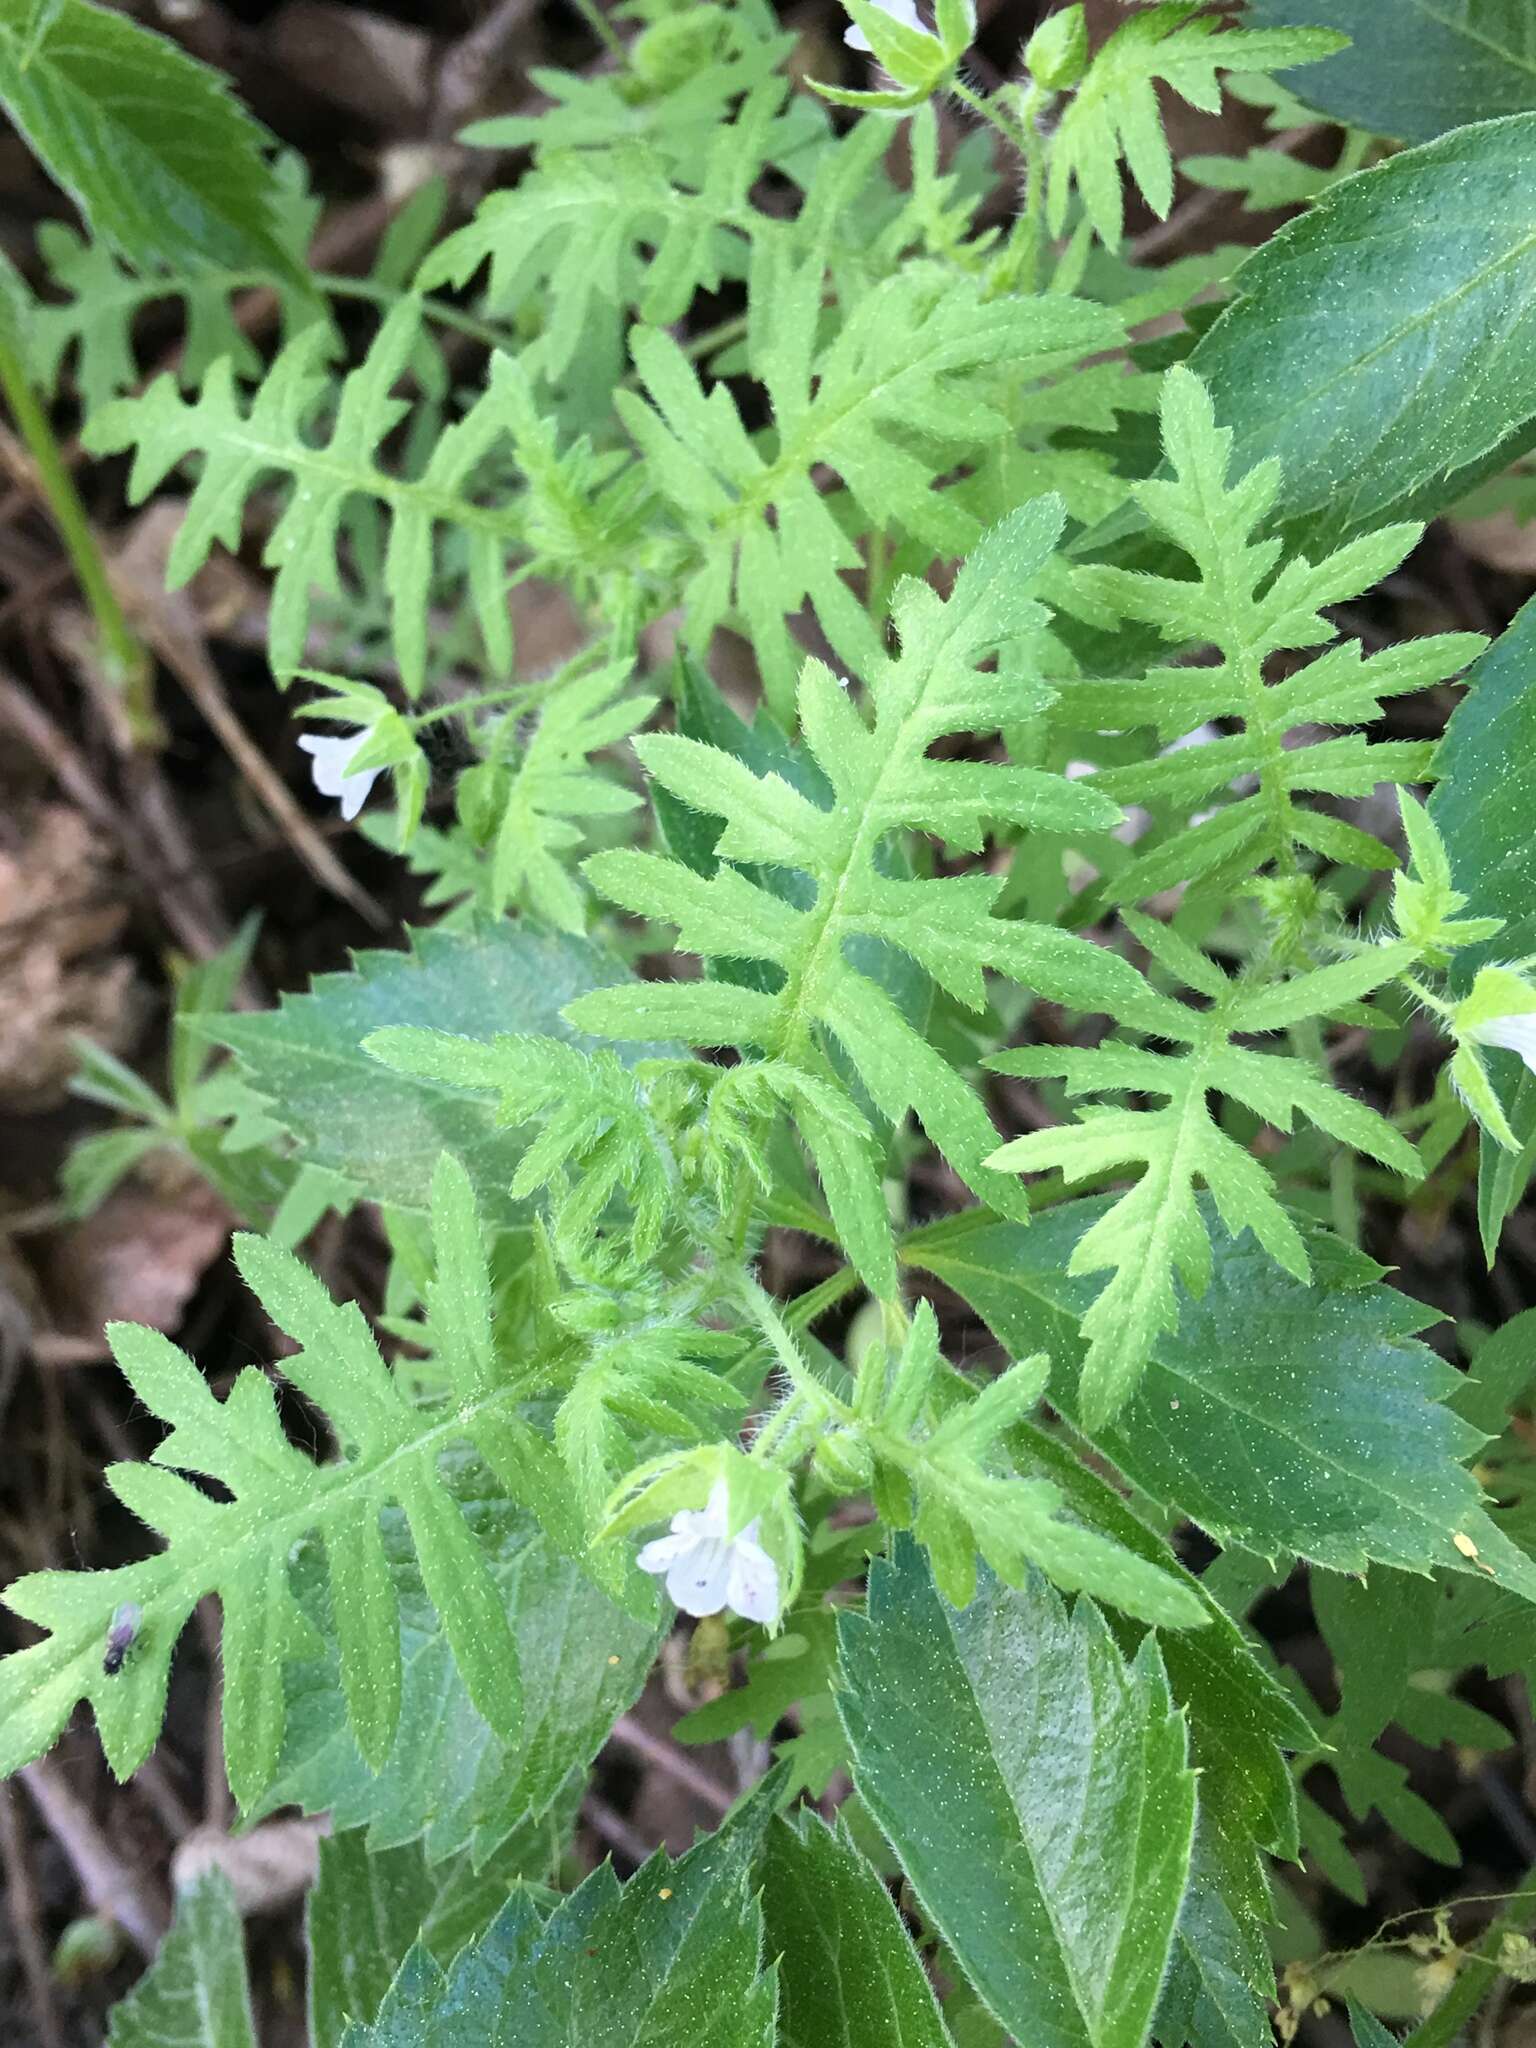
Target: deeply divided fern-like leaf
{"points": [[1156, 1231], [273, 434], [883, 781], [1250, 603], [271, 1494], [898, 398]]}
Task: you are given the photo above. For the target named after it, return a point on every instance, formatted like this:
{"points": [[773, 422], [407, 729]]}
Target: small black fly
{"points": [[121, 1634]]}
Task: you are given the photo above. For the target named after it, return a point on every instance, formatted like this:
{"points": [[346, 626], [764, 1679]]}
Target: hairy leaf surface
{"points": [[1284, 1417], [1384, 344], [1035, 1786]]}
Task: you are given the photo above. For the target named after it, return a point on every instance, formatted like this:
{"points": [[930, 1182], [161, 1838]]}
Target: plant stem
{"points": [[990, 112], [338, 287], [602, 28], [128, 662], [1478, 1975], [1020, 261]]}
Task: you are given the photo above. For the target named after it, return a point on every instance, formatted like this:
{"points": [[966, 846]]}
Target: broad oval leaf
{"points": [[1279, 1416], [1415, 68], [1383, 345], [671, 1957], [369, 1907], [153, 148], [1035, 1785], [1482, 802]]}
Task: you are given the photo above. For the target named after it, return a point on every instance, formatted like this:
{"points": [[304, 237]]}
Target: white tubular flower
{"points": [[328, 769], [706, 1569], [1515, 1033], [904, 11]]}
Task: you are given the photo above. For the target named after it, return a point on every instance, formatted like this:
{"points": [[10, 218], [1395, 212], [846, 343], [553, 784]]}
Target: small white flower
{"points": [[1516, 1033], [904, 11], [706, 1569], [332, 751]]}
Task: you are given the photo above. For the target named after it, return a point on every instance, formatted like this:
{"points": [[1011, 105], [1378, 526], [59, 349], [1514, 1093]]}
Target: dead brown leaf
{"points": [[60, 911], [269, 1868], [138, 1259]]}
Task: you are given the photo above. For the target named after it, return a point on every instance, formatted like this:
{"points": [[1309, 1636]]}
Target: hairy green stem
{"points": [[128, 662], [338, 287]]}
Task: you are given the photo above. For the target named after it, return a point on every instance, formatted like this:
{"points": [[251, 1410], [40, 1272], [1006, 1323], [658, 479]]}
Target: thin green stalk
{"points": [[603, 29], [989, 111], [127, 661], [376, 294], [1020, 260]]}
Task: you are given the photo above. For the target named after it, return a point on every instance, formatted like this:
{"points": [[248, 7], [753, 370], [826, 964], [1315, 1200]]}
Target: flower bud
{"points": [[843, 1460], [1057, 53]]}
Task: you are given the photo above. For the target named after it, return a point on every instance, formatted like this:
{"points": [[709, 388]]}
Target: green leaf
{"points": [[194, 1994], [826, 1003], [1368, 2030], [243, 440], [1481, 804], [914, 383], [238, 1540], [151, 145], [1114, 113], [382, 1134], [1502, 1175], [449, 1778], [671, 1958], [90, 316], [849, 1976], [1486, 830], [1318, 1388], [1357, 348], [1417, 67], [1035, 1787], [369, 1906]]}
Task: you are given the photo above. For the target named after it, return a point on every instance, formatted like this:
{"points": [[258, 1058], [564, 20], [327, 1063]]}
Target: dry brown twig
{"points": [[113, 1887]]}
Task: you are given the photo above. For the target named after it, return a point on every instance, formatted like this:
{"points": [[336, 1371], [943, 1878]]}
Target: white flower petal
{"points": [[659, 1556], [699, 1579], [328, 771], [715, 1517], [1515, 1034], [753, 1591]]}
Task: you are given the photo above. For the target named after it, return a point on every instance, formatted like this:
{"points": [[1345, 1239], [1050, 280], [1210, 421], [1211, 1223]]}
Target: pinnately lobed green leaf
{"points": [[393, 1453], [1036, 1787], [151, 145], [883, 778]]}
